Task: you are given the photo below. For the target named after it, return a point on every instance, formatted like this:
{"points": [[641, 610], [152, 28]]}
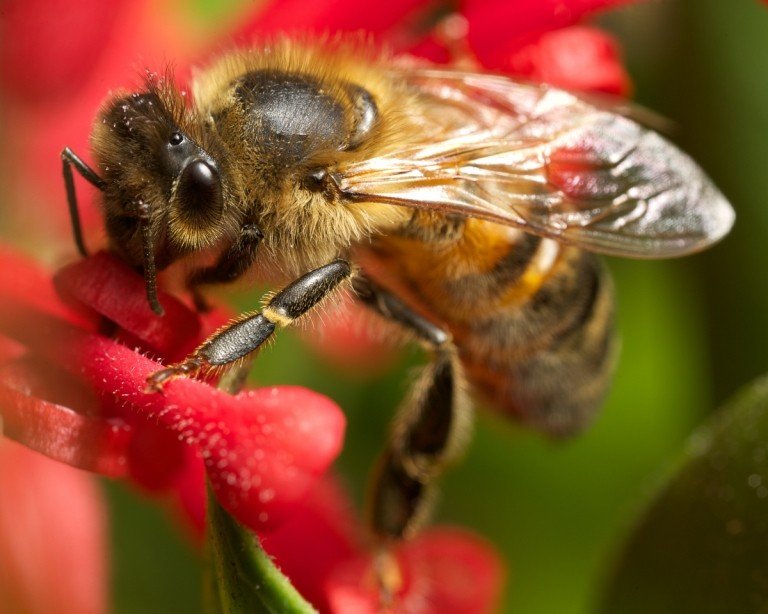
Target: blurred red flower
{"points": [[53, 534], [539, 40], [533, 39], [443, 570]]}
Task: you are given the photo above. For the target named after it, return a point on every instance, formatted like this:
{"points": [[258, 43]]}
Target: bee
{"points": [[465, 208]]}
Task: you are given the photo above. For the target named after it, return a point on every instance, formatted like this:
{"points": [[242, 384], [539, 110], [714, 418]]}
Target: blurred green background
{"points": [[692, 331]]}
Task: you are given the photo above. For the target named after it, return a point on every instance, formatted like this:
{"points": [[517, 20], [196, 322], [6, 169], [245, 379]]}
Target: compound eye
{"points": [[199, 194]]}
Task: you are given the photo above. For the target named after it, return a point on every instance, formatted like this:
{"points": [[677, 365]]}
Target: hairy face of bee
{"points": [[156, 168]]}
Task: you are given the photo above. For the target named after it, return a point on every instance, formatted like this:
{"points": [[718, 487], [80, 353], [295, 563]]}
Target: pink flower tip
{"points": [[442, 571]]}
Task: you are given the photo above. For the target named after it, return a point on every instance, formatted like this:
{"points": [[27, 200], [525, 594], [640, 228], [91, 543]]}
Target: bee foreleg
{"points": [[69, 159], [248, 332], [234, 261], [231, 265], [429, 430]]}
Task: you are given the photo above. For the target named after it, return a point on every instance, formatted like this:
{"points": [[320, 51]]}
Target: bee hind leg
{"points": [[247, 333], [429, 431]]}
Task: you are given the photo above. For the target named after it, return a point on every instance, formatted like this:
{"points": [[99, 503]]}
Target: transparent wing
{"points": [[546, 161]]}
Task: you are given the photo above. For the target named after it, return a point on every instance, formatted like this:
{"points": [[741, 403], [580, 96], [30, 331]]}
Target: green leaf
{"points": [[241, 578], [702, 545]]}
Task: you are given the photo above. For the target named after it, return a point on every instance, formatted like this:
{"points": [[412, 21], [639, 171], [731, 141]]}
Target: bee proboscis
{"points": [[465, 208]]}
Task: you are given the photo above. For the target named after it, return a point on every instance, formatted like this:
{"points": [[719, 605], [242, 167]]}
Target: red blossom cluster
{"points": [[78, 395], [443, 570], [75, 349]]}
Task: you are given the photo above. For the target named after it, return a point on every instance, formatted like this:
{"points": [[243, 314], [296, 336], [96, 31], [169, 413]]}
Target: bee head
{"points": [[164, 185]]}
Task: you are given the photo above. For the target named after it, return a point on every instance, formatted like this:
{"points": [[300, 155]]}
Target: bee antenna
{"points": [[70, 159], [150, 271]]}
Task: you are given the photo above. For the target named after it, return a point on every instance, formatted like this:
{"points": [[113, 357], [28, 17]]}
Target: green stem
{"points": [[245, 577]]}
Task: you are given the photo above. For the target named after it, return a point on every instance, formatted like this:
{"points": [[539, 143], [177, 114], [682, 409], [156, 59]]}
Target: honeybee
{"points": [[465, 208]]}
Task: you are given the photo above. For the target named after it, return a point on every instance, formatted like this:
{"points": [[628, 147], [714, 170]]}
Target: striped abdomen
{"points": [[532, 320]]}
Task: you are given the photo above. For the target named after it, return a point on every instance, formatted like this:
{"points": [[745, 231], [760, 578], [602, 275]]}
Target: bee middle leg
{"points": [[429, 431], [248, 332]]}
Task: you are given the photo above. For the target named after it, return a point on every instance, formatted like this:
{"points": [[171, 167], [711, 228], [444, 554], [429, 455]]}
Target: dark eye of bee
{"points": [[199, 193], [177, 138]]}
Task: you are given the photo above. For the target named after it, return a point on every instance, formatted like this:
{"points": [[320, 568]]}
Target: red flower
{"points": [[576, 58], [443, 570], [298, 17], [79, 397], [80, 33], [533, 39]]}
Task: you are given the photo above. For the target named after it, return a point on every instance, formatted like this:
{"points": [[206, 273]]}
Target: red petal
{"points": [[319, 536], [431, 48], [53, 537], [36, 376], [190, 493], [444, 571], [9, 349], [262, 449], [270, 451], [323, 16], [496, 24], [155, 456], [59, 432], [61, 417], [577, 58], [24, 281], [111, 288], [78, 34]]}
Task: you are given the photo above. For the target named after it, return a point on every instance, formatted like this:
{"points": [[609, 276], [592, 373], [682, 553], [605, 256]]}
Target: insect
{"points": [[464, 208]]}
